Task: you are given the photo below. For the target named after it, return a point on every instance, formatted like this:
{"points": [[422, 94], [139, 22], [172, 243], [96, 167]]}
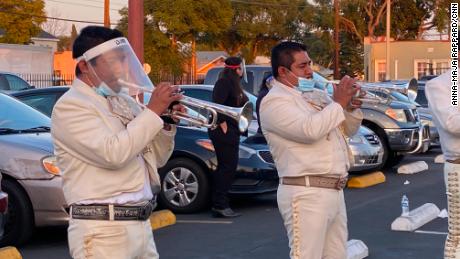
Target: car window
{"points": [[43, 103], [249, 86], [16, 83], [200, 94], [4, 85], [17, 115]]}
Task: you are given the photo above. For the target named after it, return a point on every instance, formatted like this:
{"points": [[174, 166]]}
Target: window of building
{"points": [[422, 67], [440, 66], [380, 70]]}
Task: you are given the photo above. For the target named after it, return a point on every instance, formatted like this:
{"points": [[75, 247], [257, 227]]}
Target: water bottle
{"points": [[405, 206]]}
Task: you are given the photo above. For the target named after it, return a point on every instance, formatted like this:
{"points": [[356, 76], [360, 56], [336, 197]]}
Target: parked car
{"points": [[424, 113], [3, 210], [10, 82], [396, 124], [367, 149], [426, 116], [30, 176], [186, 176], [42, 99]]}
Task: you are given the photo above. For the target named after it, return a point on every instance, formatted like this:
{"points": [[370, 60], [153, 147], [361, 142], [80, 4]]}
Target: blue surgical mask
{"points": [[305, 85], [104, 90]]}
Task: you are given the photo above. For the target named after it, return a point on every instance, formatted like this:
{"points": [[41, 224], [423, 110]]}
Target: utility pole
{"points": [[106, 13], [136, 30], [336, 40], [136, 27], [387, 38]]}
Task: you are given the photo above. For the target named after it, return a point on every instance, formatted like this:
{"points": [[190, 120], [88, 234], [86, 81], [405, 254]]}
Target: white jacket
{"points": [[97, 155], [302, 139], [446, 117]]}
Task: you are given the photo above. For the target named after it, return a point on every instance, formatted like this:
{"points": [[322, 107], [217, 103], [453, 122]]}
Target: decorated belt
{"points": [[316, 181], [103, 211]]}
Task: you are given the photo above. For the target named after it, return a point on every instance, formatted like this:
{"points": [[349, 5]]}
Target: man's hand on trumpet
{"points": [[355, 101], [162, 98], [345, 91]]}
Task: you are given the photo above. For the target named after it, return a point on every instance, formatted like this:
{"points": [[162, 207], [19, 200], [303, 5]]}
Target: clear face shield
{"points": [[115, 65]]}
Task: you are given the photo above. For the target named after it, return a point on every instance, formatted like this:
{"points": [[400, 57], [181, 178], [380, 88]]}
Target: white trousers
{"points": [[452, 181], [104, 239], [315, 220]]}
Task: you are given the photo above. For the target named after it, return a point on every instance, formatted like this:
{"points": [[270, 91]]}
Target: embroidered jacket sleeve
{"points": [[163, 145], [352, 122]]}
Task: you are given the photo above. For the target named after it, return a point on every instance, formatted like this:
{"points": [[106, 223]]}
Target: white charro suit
{"points": [[308, 140], [446, 117], [100, 158]]}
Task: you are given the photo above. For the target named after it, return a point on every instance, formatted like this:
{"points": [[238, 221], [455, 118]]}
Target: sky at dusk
{"points": [[85, 10]]}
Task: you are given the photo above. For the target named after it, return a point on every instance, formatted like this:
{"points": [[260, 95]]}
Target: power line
{"points": [[111, 2], [54, 18], [79, 4], [264, 4]]}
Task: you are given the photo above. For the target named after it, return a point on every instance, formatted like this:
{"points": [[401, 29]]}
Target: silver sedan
{"points": [[30, 176]]}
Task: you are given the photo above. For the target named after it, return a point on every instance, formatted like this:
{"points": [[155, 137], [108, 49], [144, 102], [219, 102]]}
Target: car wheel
{"points": [[184, 186], [20, 218], [393, 159]]}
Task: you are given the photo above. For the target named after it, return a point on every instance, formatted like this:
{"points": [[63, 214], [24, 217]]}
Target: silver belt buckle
{"points": [[341, 183], [146, 211]]}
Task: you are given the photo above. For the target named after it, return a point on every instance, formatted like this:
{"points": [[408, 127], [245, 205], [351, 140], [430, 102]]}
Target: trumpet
{"points": [[242, 116], [409, 89]]}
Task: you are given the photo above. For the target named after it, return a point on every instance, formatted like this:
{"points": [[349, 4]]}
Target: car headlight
{"points": [[396, 114], [246, 152], [356, 139], [50, 165]]}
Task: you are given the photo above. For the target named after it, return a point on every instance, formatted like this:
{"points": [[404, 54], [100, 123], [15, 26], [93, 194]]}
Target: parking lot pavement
{"points": [[259, 233]]}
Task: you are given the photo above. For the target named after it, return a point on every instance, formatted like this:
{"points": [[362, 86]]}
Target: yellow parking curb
{"points": [[9, 252], [161, 218], [366, 180]]}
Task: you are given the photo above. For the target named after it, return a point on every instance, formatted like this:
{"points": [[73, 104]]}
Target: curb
{"points": [[356, 249], [366, 180], [413, 168], [9, 252], [439, 159], [161, 218], [417, 218]]}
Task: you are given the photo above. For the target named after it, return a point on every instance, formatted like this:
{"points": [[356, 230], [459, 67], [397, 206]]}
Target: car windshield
{"points": [[17, 116]]}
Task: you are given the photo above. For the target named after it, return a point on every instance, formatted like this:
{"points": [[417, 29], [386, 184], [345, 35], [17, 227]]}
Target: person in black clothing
{"points": [[226, 137], [264, 88], [259, 137]]}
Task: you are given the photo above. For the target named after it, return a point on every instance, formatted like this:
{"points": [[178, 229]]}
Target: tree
{"points": [[66, 42], [54, 26], [256, 27], [185, 20], [20, 20], [437, 16], [366, 18], [409, 19], [170, 27]]}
